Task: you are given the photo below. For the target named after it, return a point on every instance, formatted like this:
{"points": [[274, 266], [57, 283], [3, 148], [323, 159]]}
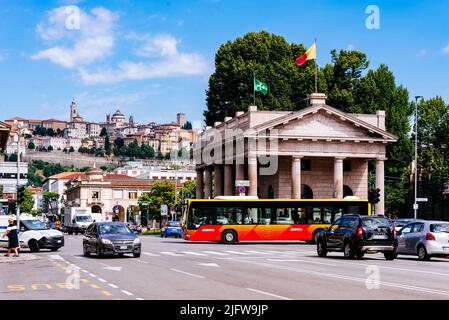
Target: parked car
{"points": [[172, 228], [425, 239], [355, 235], [110, 238], [399, 223]]}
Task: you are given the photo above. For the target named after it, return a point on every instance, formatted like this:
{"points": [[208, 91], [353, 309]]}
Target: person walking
{"points": [[13, 238]]}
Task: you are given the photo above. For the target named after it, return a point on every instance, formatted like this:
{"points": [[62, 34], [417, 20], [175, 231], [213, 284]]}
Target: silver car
{"points": [[425, 239]]}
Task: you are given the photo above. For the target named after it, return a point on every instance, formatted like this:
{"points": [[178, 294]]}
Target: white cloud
{"points": [[422, 53], [93, 39], [446, 49], [350, 47], [164, 60]]}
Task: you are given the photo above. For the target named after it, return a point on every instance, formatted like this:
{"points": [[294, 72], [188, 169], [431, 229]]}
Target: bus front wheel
{"points": [[229, 237]]}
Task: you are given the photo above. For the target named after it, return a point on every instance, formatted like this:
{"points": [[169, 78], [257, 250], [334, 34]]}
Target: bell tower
{"points": [[73, 111]]}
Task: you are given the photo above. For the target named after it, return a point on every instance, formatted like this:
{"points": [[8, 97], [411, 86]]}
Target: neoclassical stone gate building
{"points": [[318, 152]]}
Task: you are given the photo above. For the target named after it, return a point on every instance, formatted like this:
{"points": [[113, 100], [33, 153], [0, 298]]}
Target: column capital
{"points": [[381, 159], [297, 158], [339, 158], [252, 158]]}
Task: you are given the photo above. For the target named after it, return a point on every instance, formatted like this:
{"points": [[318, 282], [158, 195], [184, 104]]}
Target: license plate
{"points": [[59, 241], [123, 247], [445, 248], [379, 236]]}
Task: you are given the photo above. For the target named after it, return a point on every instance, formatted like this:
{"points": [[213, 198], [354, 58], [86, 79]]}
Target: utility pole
{"points": [[415, 204], [18, 179]]}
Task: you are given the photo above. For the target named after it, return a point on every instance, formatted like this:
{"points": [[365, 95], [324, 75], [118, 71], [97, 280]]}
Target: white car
{"points": [[33, 234]]}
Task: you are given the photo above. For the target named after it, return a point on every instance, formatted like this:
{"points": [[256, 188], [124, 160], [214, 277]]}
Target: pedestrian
{"points": [[13, 238], [115, 218]]}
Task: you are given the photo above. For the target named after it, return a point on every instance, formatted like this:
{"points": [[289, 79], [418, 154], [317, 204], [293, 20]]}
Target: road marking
{"points": [[84, 280], [195, 253], [187, 273], [307, 261], [127, 293], [169, 253], [85, 271], [236, 252], [256, 252], [106, 293], [216, 253], [151, 254], [208, 264], [268, 294], [101, 280], [93, 285], [112, 285], [140, 261], [140, 299], [56, 257], [92, 275]]}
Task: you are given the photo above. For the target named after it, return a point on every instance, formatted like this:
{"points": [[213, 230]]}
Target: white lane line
{"points": [[127, 293], [268, 294], [187, 273], [255, 252], [56, 257], [140, 299], [151, 254], [101, 280], [140, 261], [92, 275], [169, 253], [112, 285], [237, 252], [195, 253], [306, 261], [216, 253], [85, 271]]}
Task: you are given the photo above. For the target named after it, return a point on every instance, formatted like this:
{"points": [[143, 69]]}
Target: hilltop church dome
{"points": [[118, 115]]}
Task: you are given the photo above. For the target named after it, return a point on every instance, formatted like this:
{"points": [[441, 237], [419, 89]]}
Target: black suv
{"points": [[355, 235]]}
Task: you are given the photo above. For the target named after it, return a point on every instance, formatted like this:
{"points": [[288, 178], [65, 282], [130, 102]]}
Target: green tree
{"points": [[147, 151], [107, 144], [103, 132], [161, 193], [187, 125], [51, 201], [28, 202], [272, 60], [71, 149], [31, 145], [50, 148]]}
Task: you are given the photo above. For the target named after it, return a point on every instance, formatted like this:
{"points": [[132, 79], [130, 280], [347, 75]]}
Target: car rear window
{"points": [[375, 222], [439, 227]]}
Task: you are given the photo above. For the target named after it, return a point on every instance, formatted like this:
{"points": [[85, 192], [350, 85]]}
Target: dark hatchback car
{"points": [[355, 235], [110, 238]]}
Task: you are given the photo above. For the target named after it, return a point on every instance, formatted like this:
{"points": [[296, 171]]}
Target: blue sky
{"points": [[153, 58]]}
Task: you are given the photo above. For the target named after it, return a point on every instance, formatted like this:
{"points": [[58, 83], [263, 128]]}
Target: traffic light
{"points": [[376, 196], [370, 195], [12, 207], [20, 194]]}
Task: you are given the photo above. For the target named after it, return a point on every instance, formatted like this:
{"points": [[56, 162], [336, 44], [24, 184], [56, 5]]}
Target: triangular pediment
{"points": [[325, 122]]}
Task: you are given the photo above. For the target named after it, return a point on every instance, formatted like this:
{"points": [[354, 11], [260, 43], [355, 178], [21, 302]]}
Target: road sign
{"points": [[415, 206], [164, 210], [422, 199], [188, 195], [242, 183], [242, 189]]}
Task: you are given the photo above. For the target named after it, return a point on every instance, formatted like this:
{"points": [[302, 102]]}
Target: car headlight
{"points": [[106, 241], [136, 241]]}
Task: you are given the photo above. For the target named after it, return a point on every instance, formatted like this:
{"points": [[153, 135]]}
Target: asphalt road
{"points": [[179, 270]]}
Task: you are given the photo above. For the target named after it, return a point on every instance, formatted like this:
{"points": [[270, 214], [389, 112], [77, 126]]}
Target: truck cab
{"points": [[76, 220]]}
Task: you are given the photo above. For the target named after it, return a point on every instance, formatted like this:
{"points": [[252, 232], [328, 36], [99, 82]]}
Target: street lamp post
{"points": [[415, 205]]}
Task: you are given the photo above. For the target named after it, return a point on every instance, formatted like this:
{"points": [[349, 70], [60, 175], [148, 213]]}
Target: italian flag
{"points": [[309, 55]]}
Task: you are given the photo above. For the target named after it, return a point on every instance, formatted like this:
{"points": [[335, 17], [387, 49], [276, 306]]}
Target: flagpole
{"points": [[316, 70], [254, 88]]}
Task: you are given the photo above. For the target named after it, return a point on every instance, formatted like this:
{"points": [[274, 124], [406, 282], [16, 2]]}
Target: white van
{"points": [[33, 234]]}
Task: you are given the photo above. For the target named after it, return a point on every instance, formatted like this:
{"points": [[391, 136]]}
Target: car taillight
{"points": [[430, 237], [360, 232], [394, 232]]}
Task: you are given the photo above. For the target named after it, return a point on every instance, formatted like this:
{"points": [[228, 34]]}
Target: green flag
{"points": [[260, 86]]}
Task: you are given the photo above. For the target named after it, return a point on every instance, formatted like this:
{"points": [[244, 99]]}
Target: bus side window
{"points": [[327, 215], [338, 213], [314, 216], [258, 215], [302, 216]]}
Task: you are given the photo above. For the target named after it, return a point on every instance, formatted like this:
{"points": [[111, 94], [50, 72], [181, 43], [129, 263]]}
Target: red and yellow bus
{"points": [[235, 219]]}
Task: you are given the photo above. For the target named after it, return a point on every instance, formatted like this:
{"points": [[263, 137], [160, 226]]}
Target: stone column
{"points": [[207, 183], [338, 178], [252, 175], [218, 180], [199, 183], [228, 185], [296, 177], [239, 175], [380, 183]]}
